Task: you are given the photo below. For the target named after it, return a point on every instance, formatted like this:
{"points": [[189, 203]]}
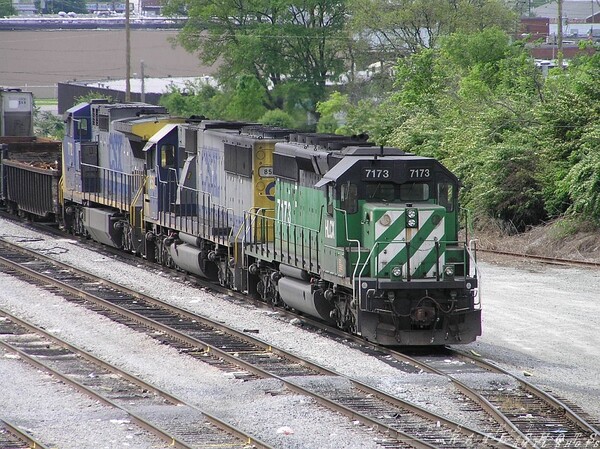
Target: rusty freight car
{"points": [[30, 171]]}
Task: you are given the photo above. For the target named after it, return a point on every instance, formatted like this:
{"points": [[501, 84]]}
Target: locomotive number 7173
{"points": [[377, 173], [419, 173]]}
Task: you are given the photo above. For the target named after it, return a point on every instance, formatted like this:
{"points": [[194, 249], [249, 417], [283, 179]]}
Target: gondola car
{"points": [[29, 166]]}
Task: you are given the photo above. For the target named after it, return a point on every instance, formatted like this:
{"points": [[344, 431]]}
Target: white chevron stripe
{"points": [[391, 251]]}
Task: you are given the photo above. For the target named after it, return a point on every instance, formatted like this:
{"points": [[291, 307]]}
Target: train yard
{"points": [[407, 381]]}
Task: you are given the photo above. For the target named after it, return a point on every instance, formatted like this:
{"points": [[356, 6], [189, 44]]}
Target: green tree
{"points": [[6, 8], [566, 136], [279, 118], [247, 100], [469, 103], [400, 26], [47, 124], [336, 106], [195, 99], [278, 43]]}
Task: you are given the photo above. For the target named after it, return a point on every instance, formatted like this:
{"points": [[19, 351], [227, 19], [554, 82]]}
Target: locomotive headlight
{"points": [[412, 218], [397, 272], [385, 220], [448, 271]]}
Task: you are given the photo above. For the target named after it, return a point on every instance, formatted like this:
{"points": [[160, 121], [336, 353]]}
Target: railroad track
{"points": [[11, 437], [532, 417], [115, 388], [400, 424], [528, 416], [542, 259]]}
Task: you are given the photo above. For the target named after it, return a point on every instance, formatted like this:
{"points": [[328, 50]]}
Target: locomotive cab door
{"points": [[164, 163]]}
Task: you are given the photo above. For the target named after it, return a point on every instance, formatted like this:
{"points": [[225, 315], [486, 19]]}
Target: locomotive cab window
{"points": [[446, 195], [349, 197], [384, 191], [330, 198], [167, 156], [414, 191], [81, 127], [388, 192]]}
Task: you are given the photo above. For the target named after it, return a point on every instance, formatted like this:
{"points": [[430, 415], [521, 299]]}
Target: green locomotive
{"points": [[367, 238]]}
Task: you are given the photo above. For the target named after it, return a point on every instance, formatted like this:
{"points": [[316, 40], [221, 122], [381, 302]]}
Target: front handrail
{"points": [[134, 201], [473, 265], [247, 227], [467, 262]]}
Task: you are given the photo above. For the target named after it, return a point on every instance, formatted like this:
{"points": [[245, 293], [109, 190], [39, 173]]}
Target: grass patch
{"points": [[569, 226], [46, 101]]}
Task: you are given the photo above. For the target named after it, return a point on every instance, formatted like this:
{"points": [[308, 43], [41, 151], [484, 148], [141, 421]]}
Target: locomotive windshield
{"points": [[388, 191]]}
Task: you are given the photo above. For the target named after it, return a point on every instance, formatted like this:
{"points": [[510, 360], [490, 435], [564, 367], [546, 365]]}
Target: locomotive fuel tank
{"points": [[102, 226], [298, 292], [192, 259]]}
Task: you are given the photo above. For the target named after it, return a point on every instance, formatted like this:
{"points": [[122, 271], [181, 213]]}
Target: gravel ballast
{"points": [[532, 324]]}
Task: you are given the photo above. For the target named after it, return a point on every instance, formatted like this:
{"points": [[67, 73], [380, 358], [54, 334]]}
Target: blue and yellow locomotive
{"points": [[361, 236]]}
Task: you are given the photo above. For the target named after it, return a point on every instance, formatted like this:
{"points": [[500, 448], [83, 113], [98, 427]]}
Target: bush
{"points": [[46, 124], [278, 118]]}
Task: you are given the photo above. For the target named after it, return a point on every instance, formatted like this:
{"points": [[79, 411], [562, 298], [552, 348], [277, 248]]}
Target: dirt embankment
{"points": [[564, 239]]}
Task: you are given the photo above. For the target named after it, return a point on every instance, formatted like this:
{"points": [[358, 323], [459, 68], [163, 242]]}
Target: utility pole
{"points": [[143, 85], [127, 54], [560, 35]]}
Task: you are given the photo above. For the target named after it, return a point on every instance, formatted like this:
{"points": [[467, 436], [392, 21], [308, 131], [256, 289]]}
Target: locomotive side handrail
{"points": [[197, 211], [300, 241], [114, 187]]}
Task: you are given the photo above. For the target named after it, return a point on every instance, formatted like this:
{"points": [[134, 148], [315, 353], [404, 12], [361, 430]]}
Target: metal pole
{"points": [[592, 25], [143, 85], [127, 54]]}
